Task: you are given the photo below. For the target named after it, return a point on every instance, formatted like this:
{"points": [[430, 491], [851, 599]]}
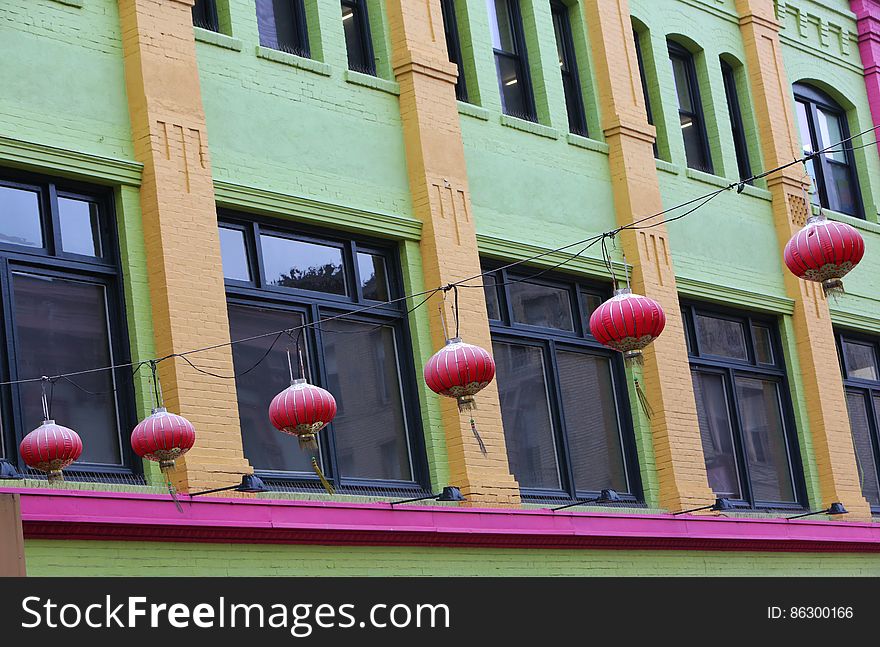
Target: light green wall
{"points": [[117, 558]]}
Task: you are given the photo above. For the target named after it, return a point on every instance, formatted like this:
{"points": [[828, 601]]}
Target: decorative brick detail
{"points": [[681, 469], [180, 234], [438, 184], [817, 353]]}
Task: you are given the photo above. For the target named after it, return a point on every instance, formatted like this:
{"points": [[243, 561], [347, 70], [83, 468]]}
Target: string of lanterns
{"points": [[822, 251]]}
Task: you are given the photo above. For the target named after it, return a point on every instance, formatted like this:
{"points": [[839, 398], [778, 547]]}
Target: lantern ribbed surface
{"points": [[627, 322], [163, 437], [50, 448], [302, 410], [459, 370], [824, 251]]}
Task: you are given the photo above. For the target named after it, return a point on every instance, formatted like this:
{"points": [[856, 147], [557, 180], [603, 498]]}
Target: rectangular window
{"points": [[743, 408], [453, 47], [511, 62], [282, 26], [690, 109], [822, 123], [62, 307], [861, 379], [641, 63], [574, 103], [205, 15], [281, 279], [563, 395], [736, 121], [358, 41]]}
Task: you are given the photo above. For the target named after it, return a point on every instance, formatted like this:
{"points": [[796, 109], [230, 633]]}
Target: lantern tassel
{"points": [[466, 403], [634, 358], [480, 442], [321, 476], [643, 400], [166, 472], [308, 442], [55, 476], [833, 287]]}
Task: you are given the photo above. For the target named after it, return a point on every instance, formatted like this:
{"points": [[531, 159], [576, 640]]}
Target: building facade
{"points": [[177, 175]]}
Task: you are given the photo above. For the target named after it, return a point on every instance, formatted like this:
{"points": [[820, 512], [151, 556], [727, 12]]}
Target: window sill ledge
{"points": [[220, 40], [374, 82], [471, 110], [707, 178], [77, 4], [587, 143], [667, 167], [858, 223], [529, 127], [757, 192], [293, 60]]}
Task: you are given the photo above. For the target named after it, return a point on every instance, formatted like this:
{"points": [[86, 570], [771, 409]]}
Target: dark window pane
{"points": [[204, 14], [763, 345], [233, 251], [303, 266], [513, 91], [541, 305], [804, 127], [861, 364], [80, 229], [20, 217], [357, 34], [591, 302], [682, 84], [721, 337], [501, 25], [374, 278], [278, 25], [453, 47], [525, 412], [568, 68], [362, 374], [61, 327], [493, 306], [716, 432], [591, 422], [736, 122], [264, 446], [861, 433], [764, 440], [841, 190], [690, 111], [831, 132]]}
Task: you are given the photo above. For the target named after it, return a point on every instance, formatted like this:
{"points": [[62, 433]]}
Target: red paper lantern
{"points": [[50, 448], [459, 370], [627, 322], [302, 410], [824, 251], [163, 437]]}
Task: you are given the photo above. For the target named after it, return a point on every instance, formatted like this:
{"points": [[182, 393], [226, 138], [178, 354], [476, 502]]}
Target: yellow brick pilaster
{"points": [[675, 430], [816, 351], [439, 188], [180, 233]]}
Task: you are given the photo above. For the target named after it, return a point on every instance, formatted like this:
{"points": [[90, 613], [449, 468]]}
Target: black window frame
{"points": [[734, 111], [300, 31], [453, 47], [205, 15], [362, 15], [571, 84], [867, 389], [51, 261], [311, 304], [521, 59], [814, 99], [750, 367], [640, 61], [681, 53], [579, 340]]}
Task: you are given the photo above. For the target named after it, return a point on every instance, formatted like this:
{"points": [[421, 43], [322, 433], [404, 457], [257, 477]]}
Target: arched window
{"points": [[822, 123]]}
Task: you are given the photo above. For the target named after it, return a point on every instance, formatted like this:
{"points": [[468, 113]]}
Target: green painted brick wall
{"points": [[125, 559]]}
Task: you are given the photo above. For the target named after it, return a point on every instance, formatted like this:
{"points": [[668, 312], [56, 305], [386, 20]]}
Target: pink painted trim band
{"points": [[57, 514]]}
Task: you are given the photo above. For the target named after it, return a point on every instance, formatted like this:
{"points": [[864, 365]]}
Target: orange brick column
{"points": [[180, 233], [817, 353], [681, 469], [438, 183]]}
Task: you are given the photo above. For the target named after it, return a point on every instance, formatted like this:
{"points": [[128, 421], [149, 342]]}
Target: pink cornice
{"points": [[58, 514], [868, 22]]}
